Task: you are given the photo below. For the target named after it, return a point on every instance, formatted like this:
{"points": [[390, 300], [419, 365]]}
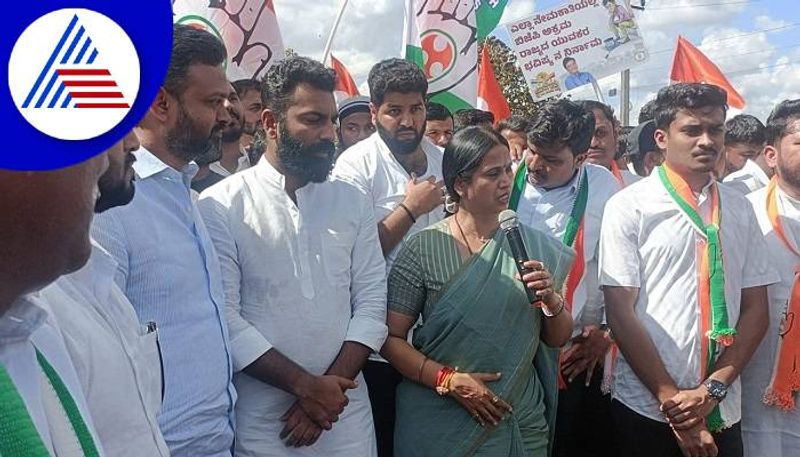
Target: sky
{"points": [[756, 43]]}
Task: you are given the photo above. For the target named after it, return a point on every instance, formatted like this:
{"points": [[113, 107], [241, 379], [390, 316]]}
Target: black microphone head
{"points": [[508, 219]]}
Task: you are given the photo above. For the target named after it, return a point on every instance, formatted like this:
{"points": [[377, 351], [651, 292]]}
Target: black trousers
{"points": [[382, 380], [641, 436], [583, 422]]}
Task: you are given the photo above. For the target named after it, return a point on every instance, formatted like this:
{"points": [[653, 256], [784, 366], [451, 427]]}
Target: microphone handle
{"points": [[520, 257]]}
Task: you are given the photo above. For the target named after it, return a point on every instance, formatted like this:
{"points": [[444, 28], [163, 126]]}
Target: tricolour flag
{"points": [[690, 65], [441, 37], [488, 14], [345, 86], [249, 29], [490, 95]]}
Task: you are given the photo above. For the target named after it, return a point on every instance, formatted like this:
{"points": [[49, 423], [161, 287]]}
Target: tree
{"points": [[510, 78]]}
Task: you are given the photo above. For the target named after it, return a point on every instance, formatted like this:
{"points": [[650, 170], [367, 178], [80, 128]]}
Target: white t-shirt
{"points": [[749, 179], [767, 430], [649, 243], [548, 211], [372, 166]]}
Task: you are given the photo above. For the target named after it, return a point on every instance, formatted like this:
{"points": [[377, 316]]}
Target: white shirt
{"points": [[116, 359], [242, 164], [25, 327], [749, 179], [548, 211], [372, 166], [302, 278], [647, 242], [628, 177], [767, 430]]}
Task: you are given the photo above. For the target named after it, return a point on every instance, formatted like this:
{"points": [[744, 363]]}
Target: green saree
{"points": [[479, 321]]}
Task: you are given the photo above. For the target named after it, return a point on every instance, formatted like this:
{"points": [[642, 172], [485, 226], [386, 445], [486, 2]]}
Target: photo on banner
{"points": [[576, 44]]}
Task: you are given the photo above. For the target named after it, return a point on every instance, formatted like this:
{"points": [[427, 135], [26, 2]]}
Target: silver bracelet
{"points": [[560, 309]]}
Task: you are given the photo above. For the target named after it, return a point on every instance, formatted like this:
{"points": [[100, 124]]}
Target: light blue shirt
{"points": [[170, 272], [578, 79]]}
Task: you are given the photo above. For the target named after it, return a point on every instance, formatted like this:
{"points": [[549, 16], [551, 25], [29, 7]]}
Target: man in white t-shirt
{"points": [[684, 271], [746, 168], [557, 192], [402, 172], [770, 419]]}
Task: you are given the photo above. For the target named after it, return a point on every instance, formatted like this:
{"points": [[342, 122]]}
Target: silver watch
{"points": [[716, 389]]}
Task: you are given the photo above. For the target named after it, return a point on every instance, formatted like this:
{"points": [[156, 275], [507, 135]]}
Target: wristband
{"points": [[558, 311], [408, 211]]}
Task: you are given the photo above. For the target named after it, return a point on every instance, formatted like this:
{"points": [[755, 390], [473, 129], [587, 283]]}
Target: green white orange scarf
{"points": [[18, 434], [572, 237], [711, 275], [785, 375]]}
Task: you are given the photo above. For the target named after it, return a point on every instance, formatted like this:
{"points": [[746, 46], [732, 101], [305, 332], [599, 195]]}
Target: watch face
{"points": [[717, 389]]}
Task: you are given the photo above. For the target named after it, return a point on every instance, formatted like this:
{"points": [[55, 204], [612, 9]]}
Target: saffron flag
{"points": [[490, 95], [249, 29], [441, 37], [345, 86], [692, 66]]}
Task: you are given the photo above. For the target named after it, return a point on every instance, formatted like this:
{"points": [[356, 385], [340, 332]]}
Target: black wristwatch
{"points": [[716, 390]]}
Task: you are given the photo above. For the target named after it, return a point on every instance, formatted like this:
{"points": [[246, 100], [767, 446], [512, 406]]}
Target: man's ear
{"points": [[373, 111], [580, 158], [661, 139], [162, 104], [270, 124], [771, 156]]}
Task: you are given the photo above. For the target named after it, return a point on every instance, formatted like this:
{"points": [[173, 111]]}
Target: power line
{"points": [[652, 68], [733, 73], [730, 37]]}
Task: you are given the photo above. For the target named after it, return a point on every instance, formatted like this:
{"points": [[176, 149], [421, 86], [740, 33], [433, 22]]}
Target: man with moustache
{"points": [[746, 166], [770, 418], [44, 233], [439, 125], [401, 172], [249, 91], [605, 142], [166, 263], [116, 359], [304, 279], [230, 157], [557, 192], [684, 270]]}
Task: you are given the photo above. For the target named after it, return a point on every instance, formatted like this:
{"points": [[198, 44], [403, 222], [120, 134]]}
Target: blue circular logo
{"points": [[81, 74]]}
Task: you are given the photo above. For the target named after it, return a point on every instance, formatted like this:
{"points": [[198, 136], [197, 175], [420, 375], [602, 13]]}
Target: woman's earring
{"points": [[450, 205]]}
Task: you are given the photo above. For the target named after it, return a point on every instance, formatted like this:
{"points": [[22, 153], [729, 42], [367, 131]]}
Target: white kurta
{"points": [[116, 359], [548, 211], [648, 243], [766, 430], [302, 278], [749, 179]]}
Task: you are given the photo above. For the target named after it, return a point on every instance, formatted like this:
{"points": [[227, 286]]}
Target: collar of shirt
{"points": [[571, 185], [98, 274], [266, 172], [20, 321], [148, 165]]}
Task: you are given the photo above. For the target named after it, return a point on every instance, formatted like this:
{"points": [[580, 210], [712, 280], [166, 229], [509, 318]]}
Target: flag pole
{"points": [[333, 31]]}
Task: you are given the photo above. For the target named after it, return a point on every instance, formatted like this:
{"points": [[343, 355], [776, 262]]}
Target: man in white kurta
{"points": [[303, 271], [768, 429]]}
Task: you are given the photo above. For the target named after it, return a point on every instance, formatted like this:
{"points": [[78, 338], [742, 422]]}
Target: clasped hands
{"points": [[686, 412], [320, 401]]}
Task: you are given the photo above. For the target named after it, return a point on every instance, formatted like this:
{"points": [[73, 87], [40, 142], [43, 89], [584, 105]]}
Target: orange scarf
{"points": [[786, 373], [617, 173]]}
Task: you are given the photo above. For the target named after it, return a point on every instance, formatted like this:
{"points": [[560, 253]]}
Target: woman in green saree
{"points": [[470, 387]]}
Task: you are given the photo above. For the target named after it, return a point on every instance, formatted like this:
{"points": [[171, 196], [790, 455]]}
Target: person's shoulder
{"points": [[758, 197], [227, 189], [360, 154], [600, 177], [637, 195]]}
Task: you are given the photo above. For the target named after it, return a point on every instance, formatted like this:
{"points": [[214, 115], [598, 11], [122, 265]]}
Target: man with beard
{"points": [[770, 418], [219, 163], [44, 233], [121, 374], [249, 92], [684, 270], [304, 279], [401, 171], [605, 142], [557, 192], [167, 266]]}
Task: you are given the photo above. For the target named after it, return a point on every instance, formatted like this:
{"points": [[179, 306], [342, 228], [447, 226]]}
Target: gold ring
{"points": [[495, 399]]}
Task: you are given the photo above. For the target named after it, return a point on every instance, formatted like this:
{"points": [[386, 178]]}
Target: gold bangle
{"points": [[560, 309], [421, 367]]}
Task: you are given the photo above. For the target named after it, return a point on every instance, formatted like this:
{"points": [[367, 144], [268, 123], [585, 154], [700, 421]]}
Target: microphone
{"points": [[509, 222]]}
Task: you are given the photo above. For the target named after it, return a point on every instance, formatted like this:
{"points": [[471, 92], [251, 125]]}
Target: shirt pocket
{"points": [[149, 368]]}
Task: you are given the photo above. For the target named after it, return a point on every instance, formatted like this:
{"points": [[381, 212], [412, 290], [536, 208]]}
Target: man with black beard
{"points": [[225, 157], [401, 171], [304, 279], [166, 263], [121, 374]]}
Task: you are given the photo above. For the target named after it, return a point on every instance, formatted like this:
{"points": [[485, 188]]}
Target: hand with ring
{"points": [[541, 282], [470, 391]]}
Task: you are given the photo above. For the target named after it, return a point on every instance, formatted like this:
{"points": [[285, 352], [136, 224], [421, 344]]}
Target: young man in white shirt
{"points": [[605, 142], [557, 192], [745, 165], [401, 172], [684, 272], [44, 233], [304, 279], [116, 359], [770, 418]]}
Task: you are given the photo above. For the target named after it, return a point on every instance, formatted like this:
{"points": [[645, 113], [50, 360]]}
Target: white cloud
{"points": [[766, 22]]}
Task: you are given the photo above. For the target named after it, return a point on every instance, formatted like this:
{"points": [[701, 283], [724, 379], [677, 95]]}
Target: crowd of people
{"points": [[258, 271]]}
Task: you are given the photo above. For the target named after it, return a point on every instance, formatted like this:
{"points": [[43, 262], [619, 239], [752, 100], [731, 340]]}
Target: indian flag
{"points": [[442, 40]]}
